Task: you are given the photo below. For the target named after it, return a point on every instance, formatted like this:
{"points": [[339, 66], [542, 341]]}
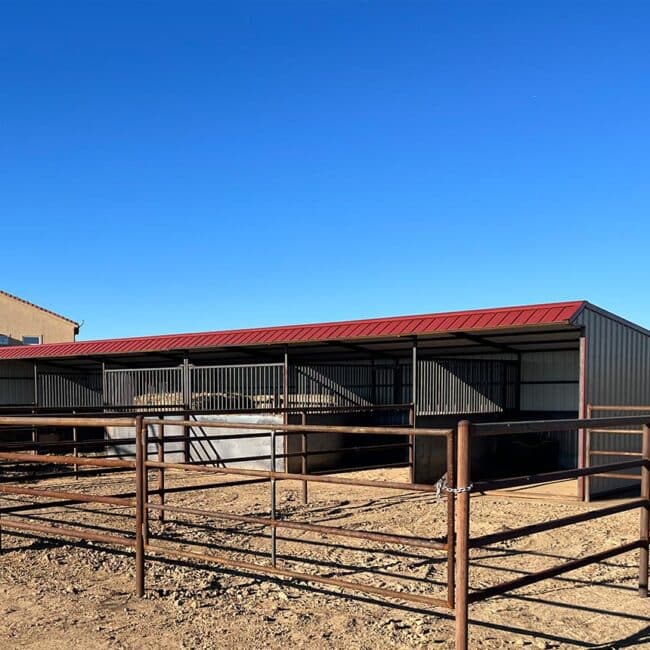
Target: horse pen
{"points": [[186, 514]]}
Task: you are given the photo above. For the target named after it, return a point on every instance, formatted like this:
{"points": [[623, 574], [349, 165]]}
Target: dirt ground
{"points": [[58, 594]]}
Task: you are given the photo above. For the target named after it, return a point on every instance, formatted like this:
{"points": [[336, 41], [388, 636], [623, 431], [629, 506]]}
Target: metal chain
{"points": [[442, 486]]}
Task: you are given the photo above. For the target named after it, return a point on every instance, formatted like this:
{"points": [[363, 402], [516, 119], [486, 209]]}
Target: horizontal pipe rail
{"points": [[404, 540], [284, 428], [46, 421], [70, 496], [534, 479], [305, 428], [618, 431], [544, 426], [615, 453], [552, 572], [391, 485], [59, 531], [66, 460], [610, 407], [523, 531], [251, 567]]}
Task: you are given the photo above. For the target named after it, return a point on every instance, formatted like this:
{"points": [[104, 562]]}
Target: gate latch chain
{"points": [[442, 486]]}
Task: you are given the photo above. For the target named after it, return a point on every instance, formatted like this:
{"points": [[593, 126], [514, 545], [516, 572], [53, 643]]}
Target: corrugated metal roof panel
{"points": [[503, 317]]}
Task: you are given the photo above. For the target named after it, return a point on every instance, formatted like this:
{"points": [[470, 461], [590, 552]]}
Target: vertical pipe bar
{"points": [[303, 458], [104, 385], [518, 385], [462, 535], [451, 516], [586, 489], [75, 449], [187, 450], [285, 402], [161, 471], [273, 503], [582, 404], [645, 513], [36, 401], [145, 484], [139, 509], [187, 389], [413, 411]]}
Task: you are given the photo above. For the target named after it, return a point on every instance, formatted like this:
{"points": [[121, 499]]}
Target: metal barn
{"points": [[555, 360]]}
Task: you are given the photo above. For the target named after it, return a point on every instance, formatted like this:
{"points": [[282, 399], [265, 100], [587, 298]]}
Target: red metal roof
{"points": [[373, 328]]}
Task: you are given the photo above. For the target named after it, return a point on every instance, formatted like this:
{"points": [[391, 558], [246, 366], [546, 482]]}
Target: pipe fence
{"points": [[152, 443]]}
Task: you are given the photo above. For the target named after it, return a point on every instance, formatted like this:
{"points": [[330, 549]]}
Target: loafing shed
{"points": [[515, 363]]}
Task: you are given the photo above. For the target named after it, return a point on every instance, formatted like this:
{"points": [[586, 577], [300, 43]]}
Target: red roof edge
{"points": [[370, 328]]}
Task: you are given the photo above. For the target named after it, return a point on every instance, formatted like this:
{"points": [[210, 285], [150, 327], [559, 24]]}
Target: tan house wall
{"points": [[19, 318]]}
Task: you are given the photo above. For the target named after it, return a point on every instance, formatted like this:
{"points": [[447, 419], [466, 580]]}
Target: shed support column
{"points": [[414, 409], [35, 410], [583, 460], [285, 403]]}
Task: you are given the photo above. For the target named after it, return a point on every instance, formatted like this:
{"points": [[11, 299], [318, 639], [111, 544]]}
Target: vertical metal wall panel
{"points": [[618, 374], [550, 382], [57, 389], [464, 386], [331, 385], [16, 383]]}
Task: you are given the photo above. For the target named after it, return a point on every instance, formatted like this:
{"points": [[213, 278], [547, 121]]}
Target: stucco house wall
{"points": [[20, 318]]}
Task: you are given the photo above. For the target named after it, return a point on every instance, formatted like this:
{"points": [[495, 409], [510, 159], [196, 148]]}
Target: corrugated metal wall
{"points": [[550, 383], [618, 374], [16, 383], [462, 386], [69, 389]]}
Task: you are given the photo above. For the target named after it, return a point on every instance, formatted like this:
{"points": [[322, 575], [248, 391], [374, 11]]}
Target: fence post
{"points": [[139, 508], [273, 503], [645, 513], [451, 518], [462, 534], [303, 458], [161, 472], [145, 483]]}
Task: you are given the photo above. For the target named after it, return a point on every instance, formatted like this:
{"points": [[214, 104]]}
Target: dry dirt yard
{"points": [[58, 594]]}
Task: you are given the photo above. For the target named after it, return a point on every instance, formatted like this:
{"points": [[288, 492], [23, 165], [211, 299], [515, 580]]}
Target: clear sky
{"points": [[193, 166]]}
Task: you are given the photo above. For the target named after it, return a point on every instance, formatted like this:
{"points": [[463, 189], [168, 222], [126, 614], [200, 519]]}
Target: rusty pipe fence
{"points": [[464, 542], [140, 500], [456, 545]]}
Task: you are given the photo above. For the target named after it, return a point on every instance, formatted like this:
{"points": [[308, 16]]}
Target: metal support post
{"points": [[303, 458], [273, 496], [462, 535], [161, 471], [139, 508]]}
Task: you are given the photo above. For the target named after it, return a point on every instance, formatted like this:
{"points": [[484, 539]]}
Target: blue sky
{"points": [[194, 166]]}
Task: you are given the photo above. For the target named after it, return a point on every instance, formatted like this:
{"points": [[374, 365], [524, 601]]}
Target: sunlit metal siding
{"points": [[549, 382], [545, 377], [16, 383], [618, 373]]}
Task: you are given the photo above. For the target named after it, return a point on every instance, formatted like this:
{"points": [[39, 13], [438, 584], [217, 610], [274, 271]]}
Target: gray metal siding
{"points": [[16, 383], [618, 373], [544, 377]]}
